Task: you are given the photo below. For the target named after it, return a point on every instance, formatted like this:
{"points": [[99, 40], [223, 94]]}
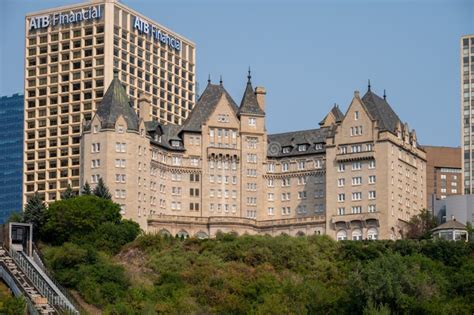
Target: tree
{"points": [[86, 189], [76, 218], [68, 193], [35, 214], [101, 190], [421, 225]]}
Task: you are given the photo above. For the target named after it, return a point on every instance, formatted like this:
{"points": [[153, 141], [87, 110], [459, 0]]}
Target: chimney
{"points": [[356, 94], [260, 93], [144, 107]]}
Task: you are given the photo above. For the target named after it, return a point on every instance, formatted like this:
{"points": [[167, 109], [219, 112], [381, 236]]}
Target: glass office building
{"points": [[11, 154]]}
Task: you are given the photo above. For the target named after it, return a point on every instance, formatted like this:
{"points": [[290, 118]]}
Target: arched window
{"points": [[357, 235], [201, 235], [182, 234], [164, 232], [300, 233], [341, 235], [372, 234]]}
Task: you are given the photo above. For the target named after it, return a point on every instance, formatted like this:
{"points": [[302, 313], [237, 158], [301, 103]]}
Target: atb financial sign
{"points": [[156, 33], [65, 18]]}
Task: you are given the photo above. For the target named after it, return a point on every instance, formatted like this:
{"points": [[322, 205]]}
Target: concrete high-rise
{"points": [[71, 53], [467, 110], [11, 154]]}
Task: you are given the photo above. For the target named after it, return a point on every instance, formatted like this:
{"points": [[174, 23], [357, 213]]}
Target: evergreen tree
{"points": [[101, 190], [86, 189], [68, 193], [35, 214]]}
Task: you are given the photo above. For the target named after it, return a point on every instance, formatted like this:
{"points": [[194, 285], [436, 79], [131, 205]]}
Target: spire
{"points": [[384, 95], [368, 87], [249, 103], [209, 78], [220, 80]]}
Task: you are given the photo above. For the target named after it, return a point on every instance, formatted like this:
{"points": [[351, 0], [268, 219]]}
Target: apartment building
{"points": [[359, 175], [70, 55]]}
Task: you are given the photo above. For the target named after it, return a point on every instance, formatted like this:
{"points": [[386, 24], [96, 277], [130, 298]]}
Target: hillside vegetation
{"points": [[91, 250]]}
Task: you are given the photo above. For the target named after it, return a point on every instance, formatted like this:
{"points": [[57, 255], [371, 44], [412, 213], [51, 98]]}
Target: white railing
{"points": [[42, 282]]}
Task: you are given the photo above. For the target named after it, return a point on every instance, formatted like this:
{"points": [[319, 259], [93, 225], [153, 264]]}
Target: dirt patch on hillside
{"points": [[135, 263]]}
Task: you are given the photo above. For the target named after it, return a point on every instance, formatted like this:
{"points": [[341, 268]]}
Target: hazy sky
{"points": [[307, 54]]}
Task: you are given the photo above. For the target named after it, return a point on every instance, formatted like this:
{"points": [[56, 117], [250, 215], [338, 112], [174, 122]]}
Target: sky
{"points": [[307, 54]]}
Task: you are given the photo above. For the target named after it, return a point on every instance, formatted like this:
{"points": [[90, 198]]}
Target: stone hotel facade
{"points": [[359, 175]]}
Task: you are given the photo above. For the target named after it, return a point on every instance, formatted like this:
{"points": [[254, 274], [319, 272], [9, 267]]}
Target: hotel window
{"points": [[356, 148], [318, 146], [372, 194], [356, 209], [252, 121], [341, 182], [369, 147], [302, 195], [301, 209], [285, 166], [95, 147], [342, 150], [356, 166], [285, 182], [270, 196], [270, 211], [372, 208], [120, 147], [341, 211], [271, 167], [251, 158], [356, 115], [341, 197], [302, 180], [302, 147], [301, 165], [270, 182], [95, 178], [286, 149], [341, 167], [176, 160], [372, 179], [317, 163], [356, 196], [285, 210], [372, 164], [95, 163], [120, 178], [356, 181]]}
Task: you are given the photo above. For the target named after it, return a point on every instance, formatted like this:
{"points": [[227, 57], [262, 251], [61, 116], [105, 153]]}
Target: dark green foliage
{"points": [[34, 213], [110, 237], [269, 275], [68, 193], [101, 190], [75, 218], [86, 189]]}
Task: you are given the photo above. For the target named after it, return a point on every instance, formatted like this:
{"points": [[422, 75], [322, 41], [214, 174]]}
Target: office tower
{"points": [[71, 53], [467, 110], [11, 154]]}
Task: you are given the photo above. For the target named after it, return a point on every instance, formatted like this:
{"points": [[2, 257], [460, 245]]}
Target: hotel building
{"points": [[70, 56], [358, 175], [467, 110]]}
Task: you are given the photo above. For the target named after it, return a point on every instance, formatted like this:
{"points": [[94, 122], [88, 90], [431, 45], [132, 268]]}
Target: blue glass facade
{"points": [[11, 155]]}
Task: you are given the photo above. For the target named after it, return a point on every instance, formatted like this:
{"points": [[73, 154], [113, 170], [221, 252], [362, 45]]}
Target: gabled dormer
{"points": [[335, 116]]}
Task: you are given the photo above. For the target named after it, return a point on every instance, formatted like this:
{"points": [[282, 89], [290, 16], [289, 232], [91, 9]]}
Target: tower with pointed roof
{"points": [[117, 149], [376, 171]]}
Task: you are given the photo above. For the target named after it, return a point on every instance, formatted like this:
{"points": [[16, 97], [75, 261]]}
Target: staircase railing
{"points": [[43, 282]]}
